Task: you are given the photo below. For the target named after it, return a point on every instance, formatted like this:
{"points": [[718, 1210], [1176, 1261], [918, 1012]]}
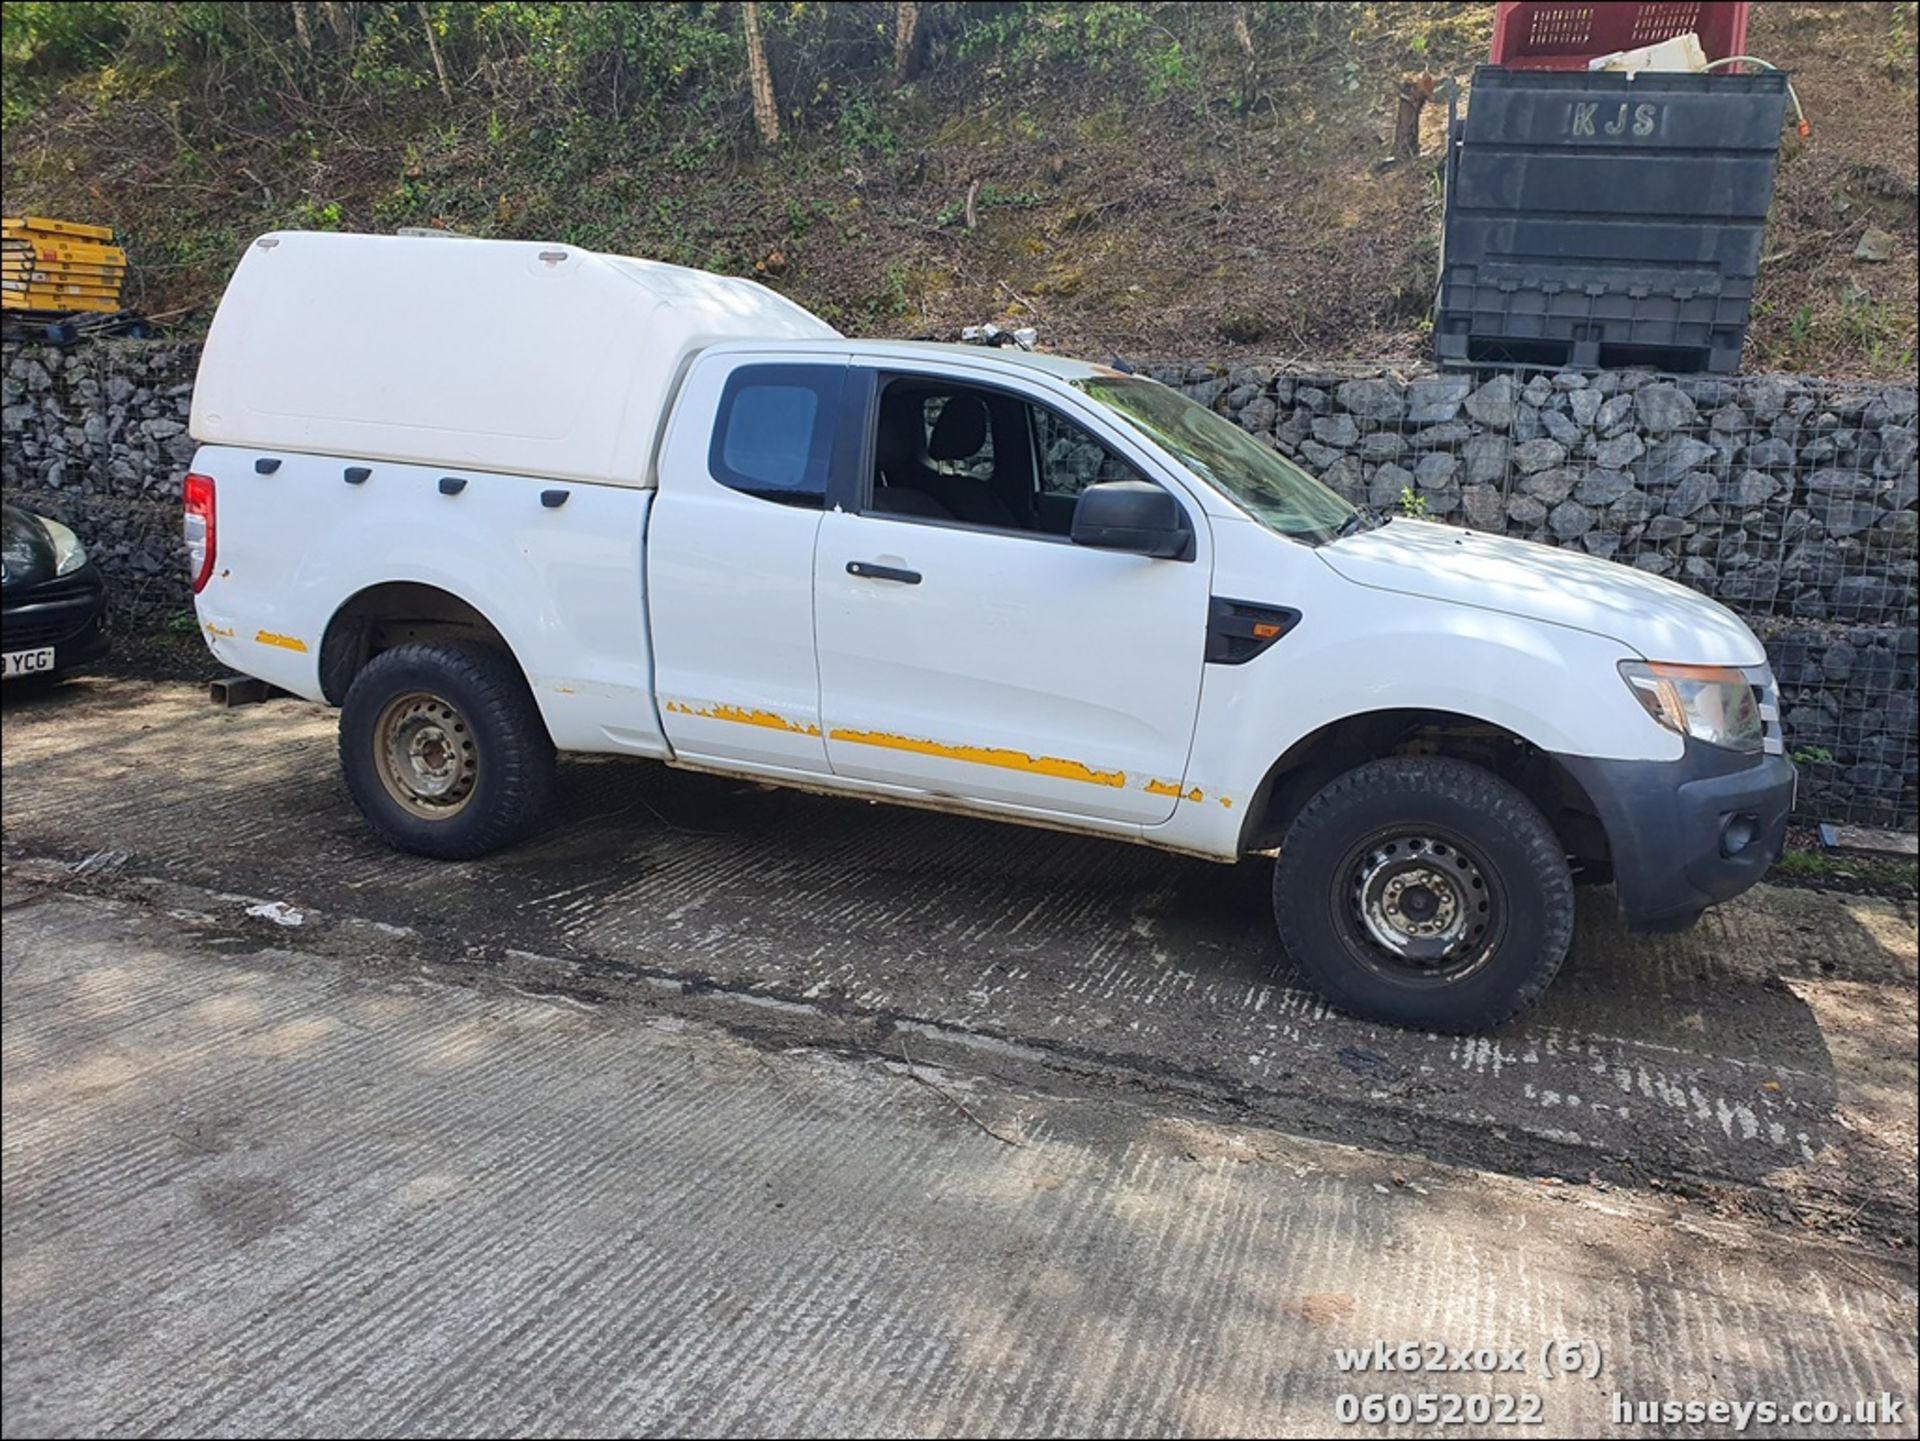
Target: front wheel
{"points": [[444, 750], [1425, 892]]}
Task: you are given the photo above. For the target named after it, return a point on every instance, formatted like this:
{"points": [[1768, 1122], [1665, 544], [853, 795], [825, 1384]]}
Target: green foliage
{"points": [[861, 129], [1817, 868], [1411, 503], [44, 39], [1812, 756], [1100, 35], [989, 197]]}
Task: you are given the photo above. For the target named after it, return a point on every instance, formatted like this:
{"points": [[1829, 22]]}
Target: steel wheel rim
{"points": [[424, 752], [1418, 905]]}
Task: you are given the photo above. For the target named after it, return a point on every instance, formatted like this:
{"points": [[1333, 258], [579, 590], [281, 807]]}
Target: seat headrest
{"points": [[960, 431]]}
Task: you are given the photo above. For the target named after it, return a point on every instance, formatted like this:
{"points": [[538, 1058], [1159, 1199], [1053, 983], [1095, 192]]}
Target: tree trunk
{"points": [[433, 49], [766, 114], [1415, 92], [340, 21], [906, 35], [1243, 33]]}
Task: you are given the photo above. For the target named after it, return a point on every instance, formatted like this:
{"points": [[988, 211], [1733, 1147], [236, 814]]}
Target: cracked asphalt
{"points": [[226, 1139]]}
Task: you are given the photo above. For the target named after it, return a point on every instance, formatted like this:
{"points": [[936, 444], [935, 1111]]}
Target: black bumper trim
{"points": [[68, 614], [1671, 825]]}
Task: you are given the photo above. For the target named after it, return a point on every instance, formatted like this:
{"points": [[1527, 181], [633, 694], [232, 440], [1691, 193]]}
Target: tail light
{"points": [[198, 494]]}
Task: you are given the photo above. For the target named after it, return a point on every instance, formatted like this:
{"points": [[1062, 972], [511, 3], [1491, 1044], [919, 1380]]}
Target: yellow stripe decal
{"points": [[285, 642], [1054, 766], [741, 715]]}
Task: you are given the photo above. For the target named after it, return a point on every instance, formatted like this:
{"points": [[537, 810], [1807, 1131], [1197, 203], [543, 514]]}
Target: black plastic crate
{"points": [[1597, 219]]}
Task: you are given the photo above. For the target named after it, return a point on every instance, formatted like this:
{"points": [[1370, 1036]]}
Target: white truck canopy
{"points": [[503, 355]]}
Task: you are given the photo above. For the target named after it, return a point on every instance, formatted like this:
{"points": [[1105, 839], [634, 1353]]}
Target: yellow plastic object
{"points": [[14, 223], [75, 251], [15, 300]]}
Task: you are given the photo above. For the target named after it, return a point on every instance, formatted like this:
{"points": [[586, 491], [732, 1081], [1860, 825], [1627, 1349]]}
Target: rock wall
{"points": [[1792, 500], [96, 436]]}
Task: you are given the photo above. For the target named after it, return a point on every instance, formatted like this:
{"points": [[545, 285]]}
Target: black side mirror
{"points": [[1134, 516]]}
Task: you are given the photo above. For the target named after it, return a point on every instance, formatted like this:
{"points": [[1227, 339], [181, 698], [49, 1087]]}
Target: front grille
{"points": [[51, 613], [1767, 696]]}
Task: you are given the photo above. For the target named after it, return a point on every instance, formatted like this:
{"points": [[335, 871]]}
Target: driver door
{"points": [[1004, 664]]}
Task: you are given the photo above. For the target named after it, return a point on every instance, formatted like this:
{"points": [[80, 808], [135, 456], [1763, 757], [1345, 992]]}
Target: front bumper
{"points": [[68, 613], [1686, 834]]}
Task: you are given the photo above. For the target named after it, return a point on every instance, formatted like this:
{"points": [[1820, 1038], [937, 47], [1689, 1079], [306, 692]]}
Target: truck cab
{"points": [[988, 581]]}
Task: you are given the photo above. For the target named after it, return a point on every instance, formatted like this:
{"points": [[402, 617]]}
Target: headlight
{"points": [[1713, 703], [68, 554]]}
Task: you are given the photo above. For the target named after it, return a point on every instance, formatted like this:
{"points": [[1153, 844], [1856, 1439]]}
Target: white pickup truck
{"points": [[497, 500]]}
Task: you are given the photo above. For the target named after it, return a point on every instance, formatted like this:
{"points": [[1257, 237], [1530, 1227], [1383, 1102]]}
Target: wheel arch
{"points": [[1338, 746], [389, 613]]}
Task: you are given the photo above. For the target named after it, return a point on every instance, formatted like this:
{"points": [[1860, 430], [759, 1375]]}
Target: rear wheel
{"points": [[1426, 892], [444, 750]]}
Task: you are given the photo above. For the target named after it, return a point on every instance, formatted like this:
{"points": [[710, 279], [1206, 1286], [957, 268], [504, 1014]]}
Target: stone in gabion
{"points": [[1337, 430], [1382, 445], [1552, 486], [1533, 455], [1849, 517], [1769, 454], [1561, 428], [1317, 456], [1896, 450], [1484, 508], [1435, 470], [1259, 415], [1694, 490], [1618, 452], [1602, 487], [1524, 510], [1570, 519], [1674, 457], [1437, 398], [1663, 408], [1383, 491], [1584, 407], [1346, 477], [1631, 508], [1486, 458], [1669, 527], [1751, 490], [1373, 399], [1444, 436], [1492, 404]]}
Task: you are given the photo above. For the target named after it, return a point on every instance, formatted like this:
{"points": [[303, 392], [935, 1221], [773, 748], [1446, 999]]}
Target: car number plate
{"points": [[26, 662]]}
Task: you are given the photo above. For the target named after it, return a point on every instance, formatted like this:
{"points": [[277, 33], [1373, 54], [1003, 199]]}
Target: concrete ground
{"points": [[726, 1110]]}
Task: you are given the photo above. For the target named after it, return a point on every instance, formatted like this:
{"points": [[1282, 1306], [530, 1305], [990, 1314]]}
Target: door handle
{"points": [[867, 570]]}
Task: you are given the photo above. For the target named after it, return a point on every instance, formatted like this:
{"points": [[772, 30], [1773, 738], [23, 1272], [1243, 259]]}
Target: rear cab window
{"points": [[773, 432]]}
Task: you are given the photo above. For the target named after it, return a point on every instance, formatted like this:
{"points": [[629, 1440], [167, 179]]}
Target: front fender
{"points": [[1357, 651]]}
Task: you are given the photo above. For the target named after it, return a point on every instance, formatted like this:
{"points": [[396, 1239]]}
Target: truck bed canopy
{"points": [[516, 356]]}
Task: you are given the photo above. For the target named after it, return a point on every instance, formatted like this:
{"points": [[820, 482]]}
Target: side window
{"points": [[773, 435], [1070, 459]]}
